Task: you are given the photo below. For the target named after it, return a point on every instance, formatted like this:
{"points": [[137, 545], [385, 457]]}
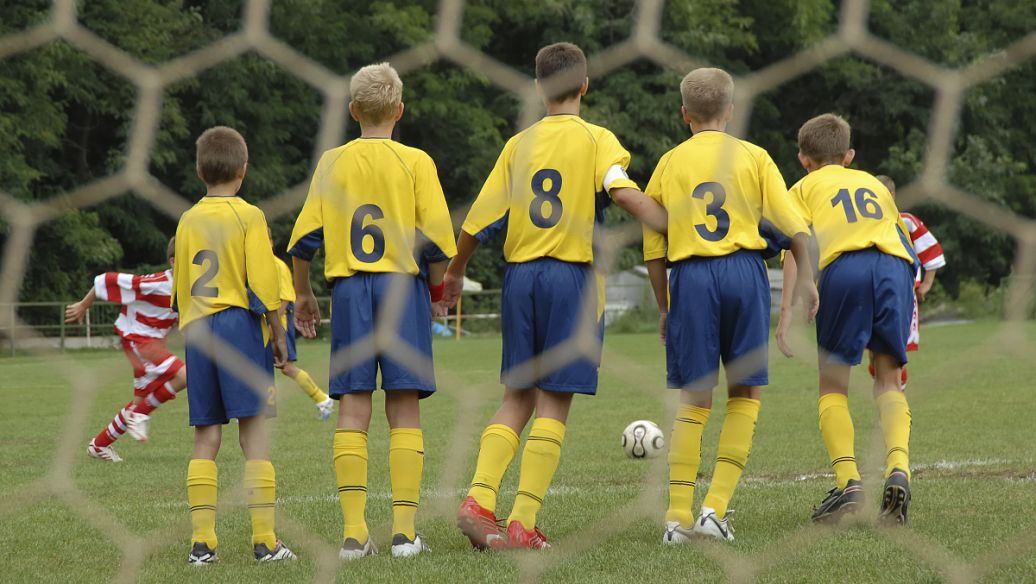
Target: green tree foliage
{"points": [[64, 120]]}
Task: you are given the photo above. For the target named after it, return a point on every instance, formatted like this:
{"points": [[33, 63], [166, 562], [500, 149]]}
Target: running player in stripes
{"points": [[145, 320]]}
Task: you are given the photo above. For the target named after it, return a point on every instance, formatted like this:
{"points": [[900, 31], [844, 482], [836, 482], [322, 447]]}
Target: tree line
{"points": [[65, 120]]}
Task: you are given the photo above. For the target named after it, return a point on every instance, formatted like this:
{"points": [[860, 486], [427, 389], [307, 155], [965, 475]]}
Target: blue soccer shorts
{"points": [[358, 304], [719, 311], [866, 302], [215, 393], [544, 302]]}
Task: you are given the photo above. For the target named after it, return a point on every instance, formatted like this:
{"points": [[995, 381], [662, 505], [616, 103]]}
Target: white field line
{"points": [[748, 482]]}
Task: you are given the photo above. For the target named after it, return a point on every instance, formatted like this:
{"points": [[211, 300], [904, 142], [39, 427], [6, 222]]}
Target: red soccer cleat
{"points": [[479, 525], [520, 538]]}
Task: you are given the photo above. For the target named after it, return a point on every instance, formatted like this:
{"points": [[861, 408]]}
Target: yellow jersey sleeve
{"points": [[610, 154], [655, 244], [260, 263], [287, 283], [307, 237], [488, 214], [779, 206], [434, 225]]}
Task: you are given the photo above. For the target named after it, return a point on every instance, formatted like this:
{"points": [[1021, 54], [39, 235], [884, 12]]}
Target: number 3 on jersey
{"points": [[358, 233], [714, 208], [543, 197]]}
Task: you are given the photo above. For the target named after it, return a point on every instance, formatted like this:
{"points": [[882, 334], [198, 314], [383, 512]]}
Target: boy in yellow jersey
{"points": [[548, 190], [325, 405], [224, 283], [378, 209], [866, 302], [715, 305]]}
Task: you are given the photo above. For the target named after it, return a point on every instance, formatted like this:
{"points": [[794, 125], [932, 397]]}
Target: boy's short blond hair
{"points": [[221, 154], [707, 93], [825, 139], [376, 92], [561, 70], [888, 182]]}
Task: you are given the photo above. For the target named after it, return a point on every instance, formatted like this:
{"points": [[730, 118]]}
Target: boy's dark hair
{"points": [[561, 70], [221, 154], [888, 182], [825, 139], [170, 250]]}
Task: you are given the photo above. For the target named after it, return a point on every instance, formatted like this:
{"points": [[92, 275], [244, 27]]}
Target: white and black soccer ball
{"points": [[643, 439]]}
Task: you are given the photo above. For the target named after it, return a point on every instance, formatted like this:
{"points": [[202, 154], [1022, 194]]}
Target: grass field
{"points": [[68, 518]]}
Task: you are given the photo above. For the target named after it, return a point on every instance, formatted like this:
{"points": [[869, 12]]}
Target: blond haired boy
{"points": [[866, 302], [378, 210], [715, 305], [224, 283]]}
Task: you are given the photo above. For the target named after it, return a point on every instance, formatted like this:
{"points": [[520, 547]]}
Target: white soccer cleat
{"points": [[103, 452], [137, 425], [326, 408], [708, 525], [352, 550], [279, 553], [675, 534], [404, 547]]}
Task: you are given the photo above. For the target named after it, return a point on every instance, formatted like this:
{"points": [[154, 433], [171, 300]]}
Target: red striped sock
{"points": [[155, 399], [114, 430]]}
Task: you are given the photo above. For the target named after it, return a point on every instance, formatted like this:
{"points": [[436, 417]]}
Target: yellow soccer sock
{"points": [[539, 461], [684, 460], [406, 462], [735, 444], [306, 383], [894, 413], [202, 488], [496, 451], [261, 496], [350, 457], [836, 426]]}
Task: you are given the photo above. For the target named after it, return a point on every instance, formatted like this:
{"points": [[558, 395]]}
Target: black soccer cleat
{"points": [[201, 554], [896, 499], [839, 502]]}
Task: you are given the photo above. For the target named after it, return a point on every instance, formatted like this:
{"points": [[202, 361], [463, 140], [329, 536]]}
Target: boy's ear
{"points": [[729, 114], [197, 171], [686, 116], [805, 161], [241, 173], [584, 87], [848, 159], [352, 111], [399, 114]]}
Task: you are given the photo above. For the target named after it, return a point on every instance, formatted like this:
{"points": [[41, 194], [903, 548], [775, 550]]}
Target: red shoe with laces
{"points": [[521, 538], [479, 525]]}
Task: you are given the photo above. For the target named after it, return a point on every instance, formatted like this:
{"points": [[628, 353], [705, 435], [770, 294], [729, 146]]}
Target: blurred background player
{"points": [[548, 189], [379, 211], [324, 404], [930, 255], [142, 326], [720, 193], [226, 282], [866, 300]]}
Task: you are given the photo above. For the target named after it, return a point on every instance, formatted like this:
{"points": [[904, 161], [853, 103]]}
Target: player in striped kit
{"points": [[929, 251], [145, 320]]}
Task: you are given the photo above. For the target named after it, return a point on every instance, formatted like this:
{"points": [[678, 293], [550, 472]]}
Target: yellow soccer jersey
{"points": [[287, 283], [222, 253], [371, 204], [544, 190], [850, 210], [716, 190]]}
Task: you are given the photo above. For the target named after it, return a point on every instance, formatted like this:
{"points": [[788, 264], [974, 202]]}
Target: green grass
{"points": [[67, 518]]}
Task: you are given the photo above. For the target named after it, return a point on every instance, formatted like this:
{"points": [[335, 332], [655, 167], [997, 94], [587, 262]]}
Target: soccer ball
{"points": [[643, 439]]}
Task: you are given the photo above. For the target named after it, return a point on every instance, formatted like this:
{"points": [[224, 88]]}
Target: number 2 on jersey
{"points": [[544, 197], [200, 286], [713, 208], [866, 203], [358, 233]]}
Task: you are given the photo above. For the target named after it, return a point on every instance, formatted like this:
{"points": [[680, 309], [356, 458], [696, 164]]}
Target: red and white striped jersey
{"points": [[926, 246], [146, 312]]}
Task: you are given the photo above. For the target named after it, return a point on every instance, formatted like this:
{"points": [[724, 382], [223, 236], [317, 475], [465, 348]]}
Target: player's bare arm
{"points": [[926, 284], [76, 312], [787, 303], [644, 208], [307, 312], [805, 287], [660, 286], [437, 287], [277, 339], [454, 279]]}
